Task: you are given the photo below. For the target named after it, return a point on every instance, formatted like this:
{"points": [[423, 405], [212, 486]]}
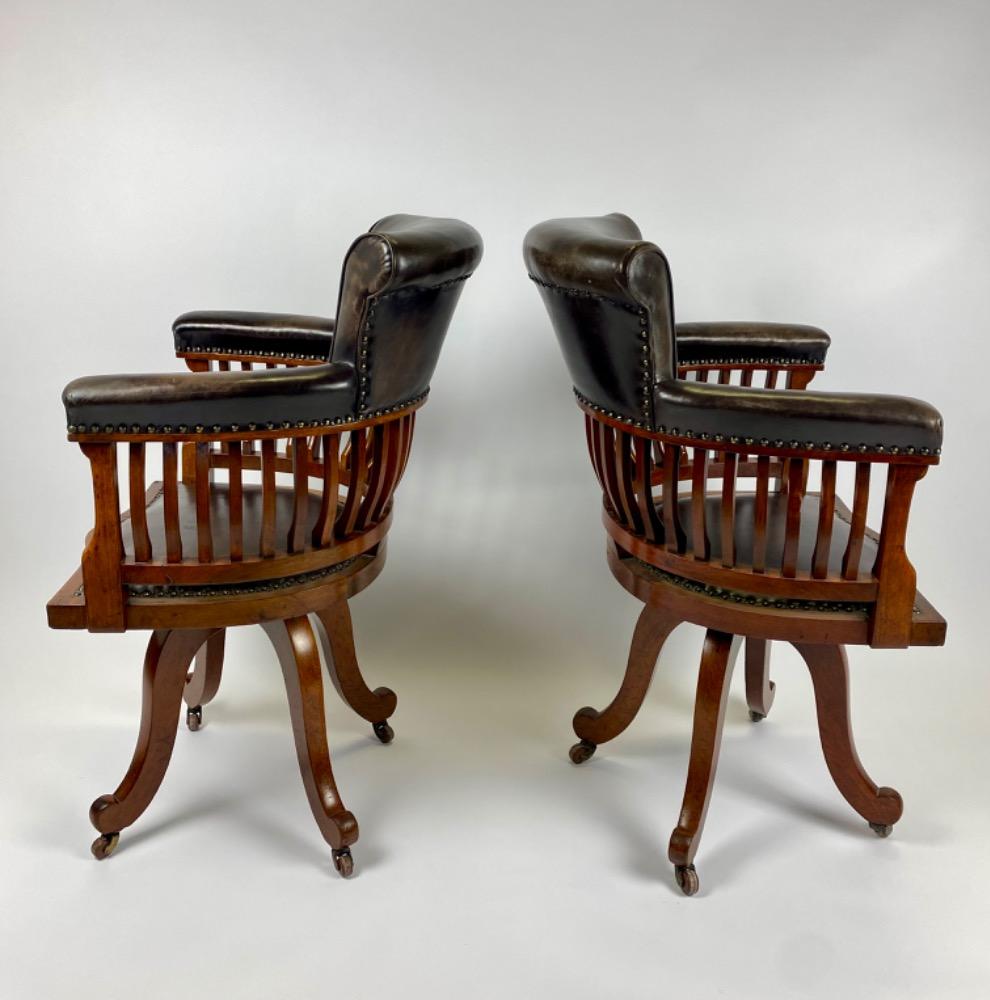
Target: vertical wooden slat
{"points": [[792, 525], [204, 531], [376, 475], [771, 378], [728, 518], [724, 375], [170, 503], [627, 491], [674, 538], [410, 427], [702, 375], [857, 527], [139, 515], [266, 541], [235, 496], [826, 517], [591, 434], [296, 539], [357, 471], [323, 529], [224, 366], [760, 514], [391, 471], [700, 545], [607, 456], [746, 377], [653, 526]]}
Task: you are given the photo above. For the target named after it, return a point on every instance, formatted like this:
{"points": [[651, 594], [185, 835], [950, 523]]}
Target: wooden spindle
{"points": [[746, 377], [376, 475], [390, 477], [224, 366], [724, 376], [771, 382], [104, 552], [357, 472], [296, 539], [323, 529], [627, 490], [235, 501], [792, 524], [170, 502], [700, 545], [644, 493], [266, 541], [857, 526], [826, 518], [728, 518], [674, 537], [607, 457], [139, 515], [204, 532], [760, 514]]}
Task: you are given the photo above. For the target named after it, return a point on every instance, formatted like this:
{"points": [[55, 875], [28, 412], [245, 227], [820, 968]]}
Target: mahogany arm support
{"points": [[797, 420], [213, 401], [727, 344], [244, 336]]}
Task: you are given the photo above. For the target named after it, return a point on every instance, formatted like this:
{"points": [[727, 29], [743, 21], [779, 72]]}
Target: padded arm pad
{"points": [[281, 335], [724, 343], [272, 397], [826, 420]]}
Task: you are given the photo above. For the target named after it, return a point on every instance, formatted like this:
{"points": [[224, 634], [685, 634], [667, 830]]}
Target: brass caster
{"points": [[882, 829], [384, 731], [194, 718], [687, 879], [343, 862], [756, 716], [104, 846], [582, 751]]}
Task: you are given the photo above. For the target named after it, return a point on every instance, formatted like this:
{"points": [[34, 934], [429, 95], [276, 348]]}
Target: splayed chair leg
{"points": [[203, 681], [165, 664], [299, 657], [593, 727], [337, 632], [880, 807], [717, 661], [759, 688]]}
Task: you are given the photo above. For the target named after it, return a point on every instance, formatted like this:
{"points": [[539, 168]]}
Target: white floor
{"points": [[488, 865]]}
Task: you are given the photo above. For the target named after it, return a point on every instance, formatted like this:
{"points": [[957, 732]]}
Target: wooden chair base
{"points": [[167, 681], [881, 807]]}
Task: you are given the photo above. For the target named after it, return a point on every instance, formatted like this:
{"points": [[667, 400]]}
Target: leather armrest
{"points": [[275, 397], [281, 335], [825, 420], [740, 343]]}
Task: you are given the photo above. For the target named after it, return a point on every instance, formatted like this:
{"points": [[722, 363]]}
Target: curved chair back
{"points": [[399, 286], [609, 297]]}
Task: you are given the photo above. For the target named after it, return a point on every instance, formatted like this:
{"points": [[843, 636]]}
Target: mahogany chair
{"points": [[275, 503], [783, 558]]}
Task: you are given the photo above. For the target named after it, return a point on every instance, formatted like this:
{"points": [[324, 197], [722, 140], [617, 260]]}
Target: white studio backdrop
{"points": [[823, 163]]}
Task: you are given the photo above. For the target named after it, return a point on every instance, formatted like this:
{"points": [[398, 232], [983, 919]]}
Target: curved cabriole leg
{"points": [[337, 633], [165, 665], [880, 807], [717, 660], [299, 657], [759, 688], [203, 681], [593, 727]]}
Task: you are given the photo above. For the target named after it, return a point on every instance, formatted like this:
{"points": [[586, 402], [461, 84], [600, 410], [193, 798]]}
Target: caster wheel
{"points": [[343, 862], [687, 879], [194, 718], [384, 731], [756, 716], [104, 846], [582, 751], [882, 829]]}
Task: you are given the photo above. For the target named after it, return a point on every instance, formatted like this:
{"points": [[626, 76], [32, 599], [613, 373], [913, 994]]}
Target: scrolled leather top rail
{"points": [[734, 343], [215, 403], [260, 334]]}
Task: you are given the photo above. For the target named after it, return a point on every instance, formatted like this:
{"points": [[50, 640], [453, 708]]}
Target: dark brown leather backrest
{"points": [[400, 284], [609, 297]]}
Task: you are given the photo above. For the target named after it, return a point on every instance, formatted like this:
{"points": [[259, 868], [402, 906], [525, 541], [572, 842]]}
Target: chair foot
{"points": [[194, 718], [759, 688], [384, 732], [687, 879], [343, 861], [882, 829], [756, 716], [104, 846], [582, 751]]}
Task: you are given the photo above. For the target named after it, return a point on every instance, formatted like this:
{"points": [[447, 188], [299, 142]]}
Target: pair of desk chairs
{"points": [[278, 482]]}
